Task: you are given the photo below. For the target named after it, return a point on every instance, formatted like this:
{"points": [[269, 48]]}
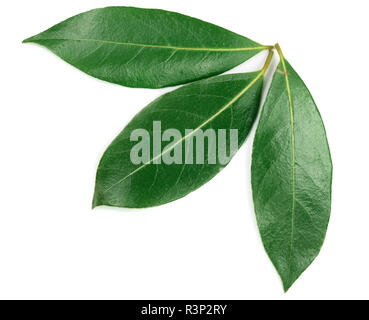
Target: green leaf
{"points": [[145, 48], [291, 175], [223, 102]]}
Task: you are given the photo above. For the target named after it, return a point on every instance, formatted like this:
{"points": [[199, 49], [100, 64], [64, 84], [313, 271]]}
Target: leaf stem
{"points": [[279, 50], [267, 61]]}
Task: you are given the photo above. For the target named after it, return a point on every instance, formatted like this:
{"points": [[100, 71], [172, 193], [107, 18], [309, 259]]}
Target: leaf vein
{"points": [[158, 46]]}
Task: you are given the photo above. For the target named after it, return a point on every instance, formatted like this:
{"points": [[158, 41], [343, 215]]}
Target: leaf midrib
{"points": [[292, 159], [226, 106], [153, 45]]}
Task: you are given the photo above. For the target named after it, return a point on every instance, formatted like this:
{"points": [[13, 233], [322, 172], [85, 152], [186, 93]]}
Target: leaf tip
{"points": [[288, 282], [28, 40], [286, 286]]}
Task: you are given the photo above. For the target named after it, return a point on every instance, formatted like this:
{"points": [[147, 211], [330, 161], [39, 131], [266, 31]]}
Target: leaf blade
{"points": [[147, 48], [291, 175], [225, 102]]}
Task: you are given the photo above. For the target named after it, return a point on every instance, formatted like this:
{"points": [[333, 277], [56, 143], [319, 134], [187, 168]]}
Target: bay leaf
{"points": [[291, 175], [223, 102], [146, 48]]}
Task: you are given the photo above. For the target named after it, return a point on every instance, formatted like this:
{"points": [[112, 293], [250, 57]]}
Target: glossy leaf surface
{"points": [[291, 175], [223, 102], [146, 48]]}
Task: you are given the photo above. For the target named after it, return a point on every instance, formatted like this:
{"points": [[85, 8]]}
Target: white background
{"points": [[56, 122]]}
